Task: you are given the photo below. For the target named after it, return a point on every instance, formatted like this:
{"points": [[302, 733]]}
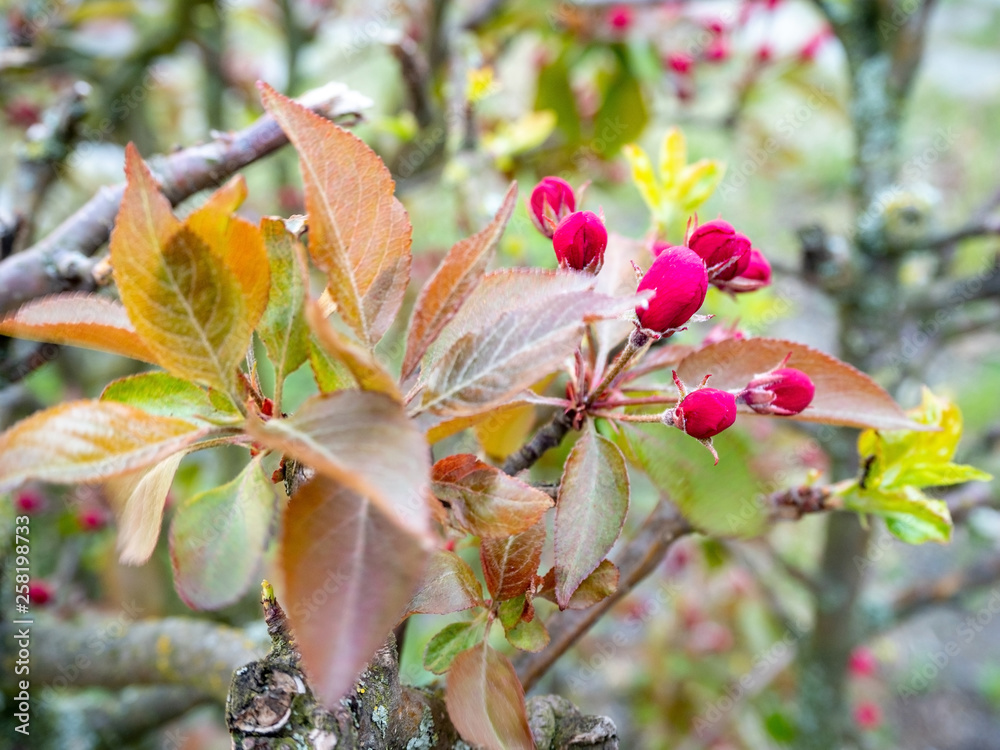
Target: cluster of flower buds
{"points": [[579, 238], [733, 264], [705, 412], [782, 390]]}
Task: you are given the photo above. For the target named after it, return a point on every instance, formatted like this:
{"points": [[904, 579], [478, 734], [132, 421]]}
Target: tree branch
{"points": [[945, 590], [60, 262], [546, 438]]}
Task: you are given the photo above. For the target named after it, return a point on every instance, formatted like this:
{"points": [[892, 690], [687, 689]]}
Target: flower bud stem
{"points": [[637, 342]]}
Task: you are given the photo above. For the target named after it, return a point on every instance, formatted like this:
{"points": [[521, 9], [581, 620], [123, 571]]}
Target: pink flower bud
{"points": [[758, 269], [862, 662], [764, 54], [579, 242], [551, 201], [92, 518], [620, 17], [680, 63], [868, 716], [29, 501], [721, 333], [680, 281], [705, 413], [39, 593], [717, 50], [725, 251], [812, 47], [784, 391]]}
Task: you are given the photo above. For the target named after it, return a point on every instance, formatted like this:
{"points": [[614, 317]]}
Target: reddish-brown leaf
{"points": [[349, 571], [449, 585], [599, 585], [844, 395], [84, 320], [359, 232], [363, 440], [87, 441], [453, 281], [507, 354], [510, 564], [593, 503], [484, 500], [485, 701]]}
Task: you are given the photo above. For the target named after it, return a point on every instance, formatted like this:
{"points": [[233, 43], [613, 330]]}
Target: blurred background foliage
{"points": [[470, 94]]}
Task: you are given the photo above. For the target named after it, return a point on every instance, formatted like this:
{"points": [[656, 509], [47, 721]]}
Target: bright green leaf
{"points": [[449, 642]]}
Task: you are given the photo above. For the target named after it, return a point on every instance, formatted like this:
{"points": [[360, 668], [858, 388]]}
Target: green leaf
{"points": [[217, 539], [719, 499], [330, 374], [165, 395], [598, 586], [593, 502], [554, 92], [282, 328], [527, 635], [485, 700], [485, 501], [622, 115], [449, 642], [449, 586], [910, 515]]}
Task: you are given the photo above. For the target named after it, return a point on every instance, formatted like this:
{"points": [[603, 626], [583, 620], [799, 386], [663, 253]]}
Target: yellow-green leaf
{"points": [[164, 395], [87, 441], [137, 499], [673, 157], [642, 175]]}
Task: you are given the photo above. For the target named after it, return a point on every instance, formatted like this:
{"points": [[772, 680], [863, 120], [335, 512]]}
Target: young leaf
{"points": [[485, 501], [449, 586], [484, 369], [359, 232], [452, 282], [485, 700], [909, 513], [363, 440], [282, 328], [88, 441], [217, 539], [844, 395], [193, 311], [164, 395], [137, 499], [330, 374], [599, 585], [510, 564], [721, 499], [360, 362], [590, 512], [530, 636], [349, 572], [84, 320], [449, 642]]}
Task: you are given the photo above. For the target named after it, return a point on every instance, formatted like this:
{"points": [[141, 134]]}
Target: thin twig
{"points": [[546, 438]]}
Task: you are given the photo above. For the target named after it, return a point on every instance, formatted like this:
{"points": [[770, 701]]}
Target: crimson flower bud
{"points": [[868, 716], [680, 281], [551, 201], [758, 269], [39, 592], [579, 242], [725, 251], [784, 391], [680, 63], [862, 662], [620, 17], [705, 413]]}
